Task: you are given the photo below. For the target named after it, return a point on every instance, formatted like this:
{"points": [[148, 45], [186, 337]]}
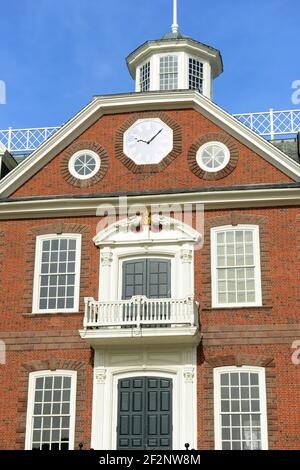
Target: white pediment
{"points": [[163, 230]]}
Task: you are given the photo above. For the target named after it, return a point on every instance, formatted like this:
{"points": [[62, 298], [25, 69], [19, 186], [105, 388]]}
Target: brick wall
{"points": [[178, 173], [233, 336], [265, 333]]}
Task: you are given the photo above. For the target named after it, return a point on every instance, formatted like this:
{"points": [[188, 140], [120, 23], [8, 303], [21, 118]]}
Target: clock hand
{"points": [[149, 141], [141, 140]]}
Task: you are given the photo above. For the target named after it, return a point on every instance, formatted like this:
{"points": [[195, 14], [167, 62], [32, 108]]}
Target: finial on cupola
{"points": [[175, 26]]}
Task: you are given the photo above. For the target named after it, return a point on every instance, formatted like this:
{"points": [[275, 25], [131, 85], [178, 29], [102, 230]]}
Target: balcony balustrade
{"points": [[141, 318]]}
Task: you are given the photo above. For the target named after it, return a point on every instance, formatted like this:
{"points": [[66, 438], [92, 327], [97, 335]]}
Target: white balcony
{"points": [[141, 319]]}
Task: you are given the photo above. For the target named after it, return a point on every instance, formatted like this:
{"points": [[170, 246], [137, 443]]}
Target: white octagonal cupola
{"points": [[175, 62]]}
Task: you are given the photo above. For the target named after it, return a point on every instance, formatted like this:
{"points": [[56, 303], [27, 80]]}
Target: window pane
{"points": [[225, 379], [50, 428], [226, 446], [58, 274]]}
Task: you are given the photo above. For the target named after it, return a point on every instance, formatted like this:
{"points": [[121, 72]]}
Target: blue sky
{"points": [[56, 54]]}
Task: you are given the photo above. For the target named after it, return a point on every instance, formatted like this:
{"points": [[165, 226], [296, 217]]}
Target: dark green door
{"points": [[150, 277], [144, 413]]}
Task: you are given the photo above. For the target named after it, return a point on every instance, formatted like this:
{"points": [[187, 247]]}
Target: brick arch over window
{"points": [[206, 404], [46, 365], [213, 137], [84, 145], [239, 360], [235, 219], [56, 228]]}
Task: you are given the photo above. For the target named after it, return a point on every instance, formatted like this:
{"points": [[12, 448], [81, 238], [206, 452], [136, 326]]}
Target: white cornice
{"points": [[67, 207], [103, 105]]}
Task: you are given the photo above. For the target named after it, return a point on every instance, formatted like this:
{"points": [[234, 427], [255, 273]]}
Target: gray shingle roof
{"points": [[289, 147]]}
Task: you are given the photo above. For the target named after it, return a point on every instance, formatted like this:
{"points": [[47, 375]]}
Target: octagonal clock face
{"points": [[148, 141]]}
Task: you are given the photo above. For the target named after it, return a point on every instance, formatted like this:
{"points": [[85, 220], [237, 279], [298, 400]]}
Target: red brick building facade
{"points": [[190, 336]]}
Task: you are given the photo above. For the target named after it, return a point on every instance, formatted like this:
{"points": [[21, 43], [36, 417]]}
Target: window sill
{"points": [[243, 307], [50, 314]]}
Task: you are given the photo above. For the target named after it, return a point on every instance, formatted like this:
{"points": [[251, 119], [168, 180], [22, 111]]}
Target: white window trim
{"points": [[207, 80], [138, 75], [204, 147], [30, 403], [155, 83], [179, 69], [263, 402], [204, 69], [214, 283], [37, 267], [75, 156]]}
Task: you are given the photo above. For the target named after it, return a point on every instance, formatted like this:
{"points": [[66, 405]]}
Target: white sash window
{"points": [[235, 263], [240, 408]]}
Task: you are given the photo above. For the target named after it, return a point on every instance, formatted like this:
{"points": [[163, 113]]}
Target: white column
{"points": [[189, 409], [106, 258], [98, 409], [186, 257]]}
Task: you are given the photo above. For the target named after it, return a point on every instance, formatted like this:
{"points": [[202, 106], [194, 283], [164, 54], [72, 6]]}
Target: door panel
{"points": [[130, 413], [145, 413], [159, 413], [149, 277], [134, 278], [159, 279]]}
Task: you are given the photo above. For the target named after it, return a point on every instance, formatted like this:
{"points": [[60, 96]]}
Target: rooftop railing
{"points": [[270, 125], [25, 140]]}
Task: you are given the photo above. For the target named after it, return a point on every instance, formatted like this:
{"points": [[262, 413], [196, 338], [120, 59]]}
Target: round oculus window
{"points": [[84, 164], [213, 157]]}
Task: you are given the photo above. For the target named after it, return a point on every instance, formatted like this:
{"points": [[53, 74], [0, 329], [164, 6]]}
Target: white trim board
{"points": [[69, 206], [117, 104]]}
